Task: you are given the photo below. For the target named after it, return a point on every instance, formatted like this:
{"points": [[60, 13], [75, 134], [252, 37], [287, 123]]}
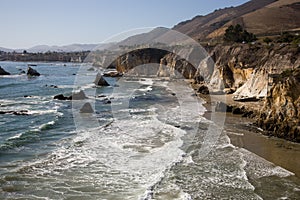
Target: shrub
{"points": [[238, 34]]}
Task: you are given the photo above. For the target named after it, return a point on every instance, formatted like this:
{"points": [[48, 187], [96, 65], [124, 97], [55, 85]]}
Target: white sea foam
{"points": [[15, 136], [259, 167]]}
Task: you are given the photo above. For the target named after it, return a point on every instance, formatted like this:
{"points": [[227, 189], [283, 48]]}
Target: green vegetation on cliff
{"points": [[238, 34]]}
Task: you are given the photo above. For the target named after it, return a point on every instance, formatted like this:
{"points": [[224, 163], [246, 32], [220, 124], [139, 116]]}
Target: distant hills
{"points": [[45, 48], [261, 17]]}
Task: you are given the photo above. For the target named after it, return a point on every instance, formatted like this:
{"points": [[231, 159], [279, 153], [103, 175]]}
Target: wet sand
{"points": [[281, 152], [243, 134]]}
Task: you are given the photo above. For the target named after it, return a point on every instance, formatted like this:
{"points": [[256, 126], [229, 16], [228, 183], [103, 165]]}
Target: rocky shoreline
{"points": [[259, 112], [244, 132]]}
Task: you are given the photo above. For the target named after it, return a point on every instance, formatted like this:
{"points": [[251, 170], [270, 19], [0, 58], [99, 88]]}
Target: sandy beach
{"points": [[244, 134]]}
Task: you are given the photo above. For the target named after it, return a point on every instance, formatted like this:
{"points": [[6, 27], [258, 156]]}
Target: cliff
{"points": [[154, 62], [270, 74], [252, 72], [281, 112], [247, 69]]}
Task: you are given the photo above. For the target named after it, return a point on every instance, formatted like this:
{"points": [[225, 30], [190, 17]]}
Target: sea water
{"points": [[146, 143]]}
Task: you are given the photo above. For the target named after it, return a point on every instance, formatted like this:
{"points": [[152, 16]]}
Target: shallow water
{"points": [[151, 142]]}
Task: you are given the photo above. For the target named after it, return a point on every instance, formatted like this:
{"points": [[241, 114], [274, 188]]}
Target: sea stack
{"points": [[3, 72], [86, 108], [32, 72], [100, 81]]}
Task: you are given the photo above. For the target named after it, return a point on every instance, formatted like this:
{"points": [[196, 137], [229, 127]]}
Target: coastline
{"points": [[243, 134]]}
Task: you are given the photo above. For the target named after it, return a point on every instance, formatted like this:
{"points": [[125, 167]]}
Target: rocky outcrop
{"points": [[281, 112], [155, 62], [75, 96], [246, 68], [3, 72], [86, 108], [32, 72], [262, 73], [100, 81]]}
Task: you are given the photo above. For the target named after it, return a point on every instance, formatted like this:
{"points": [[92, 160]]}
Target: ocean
{"points": [[146, 139]]}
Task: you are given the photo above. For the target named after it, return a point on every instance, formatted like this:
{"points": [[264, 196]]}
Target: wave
{"points": [[30, 136]]}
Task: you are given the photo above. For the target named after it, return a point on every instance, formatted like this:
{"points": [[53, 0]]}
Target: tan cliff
{"points": [[247, 69], [281, 112]]}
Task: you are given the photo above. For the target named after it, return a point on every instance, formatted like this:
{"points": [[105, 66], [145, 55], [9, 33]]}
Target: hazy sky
{"points": [[26, 23]]}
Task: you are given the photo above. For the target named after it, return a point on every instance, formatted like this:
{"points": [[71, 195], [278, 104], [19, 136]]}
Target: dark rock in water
{"points": [[86, 108], [101, 96], [100, 81], [32, 72], [222, 107], [112, 74], [27, 96], [74, 74], [249, 114], [53, 86], [203, 89], [107, 102], [61, 97], [173, 94], [22, 72], [237, 111], [78, 96], [21, 112], [3, 72]]}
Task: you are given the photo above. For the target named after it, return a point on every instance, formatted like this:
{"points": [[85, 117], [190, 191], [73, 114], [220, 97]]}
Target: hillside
{"points": [[257, 16]]}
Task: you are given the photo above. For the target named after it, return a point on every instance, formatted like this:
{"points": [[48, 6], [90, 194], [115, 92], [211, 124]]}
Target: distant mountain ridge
{"points": [[45, 48]]}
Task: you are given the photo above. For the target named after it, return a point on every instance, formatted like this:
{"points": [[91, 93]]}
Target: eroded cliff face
{"points": [[250, 71], [156, 62], [269, 73], [246, 68], [281, 112]]}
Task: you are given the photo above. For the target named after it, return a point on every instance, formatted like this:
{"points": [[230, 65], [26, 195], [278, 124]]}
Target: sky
{"points": [[27, 23]]}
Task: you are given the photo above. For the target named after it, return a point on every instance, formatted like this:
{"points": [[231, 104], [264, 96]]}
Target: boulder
{"points": [[203, 89], [112, 74], [107, 102], [3, 72], [78, 96], [86, 108], [75, 96], [100, 81], [32, 72], [61, 97]]}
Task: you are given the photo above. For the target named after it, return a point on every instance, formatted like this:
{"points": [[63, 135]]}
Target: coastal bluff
{"points": [[246, 71]]}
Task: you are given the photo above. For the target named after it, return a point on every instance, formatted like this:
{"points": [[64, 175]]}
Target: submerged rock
{"points": [[100, 81], [86, 108], [21, 112], [3, 72], [32, 72], [22, 72]]}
